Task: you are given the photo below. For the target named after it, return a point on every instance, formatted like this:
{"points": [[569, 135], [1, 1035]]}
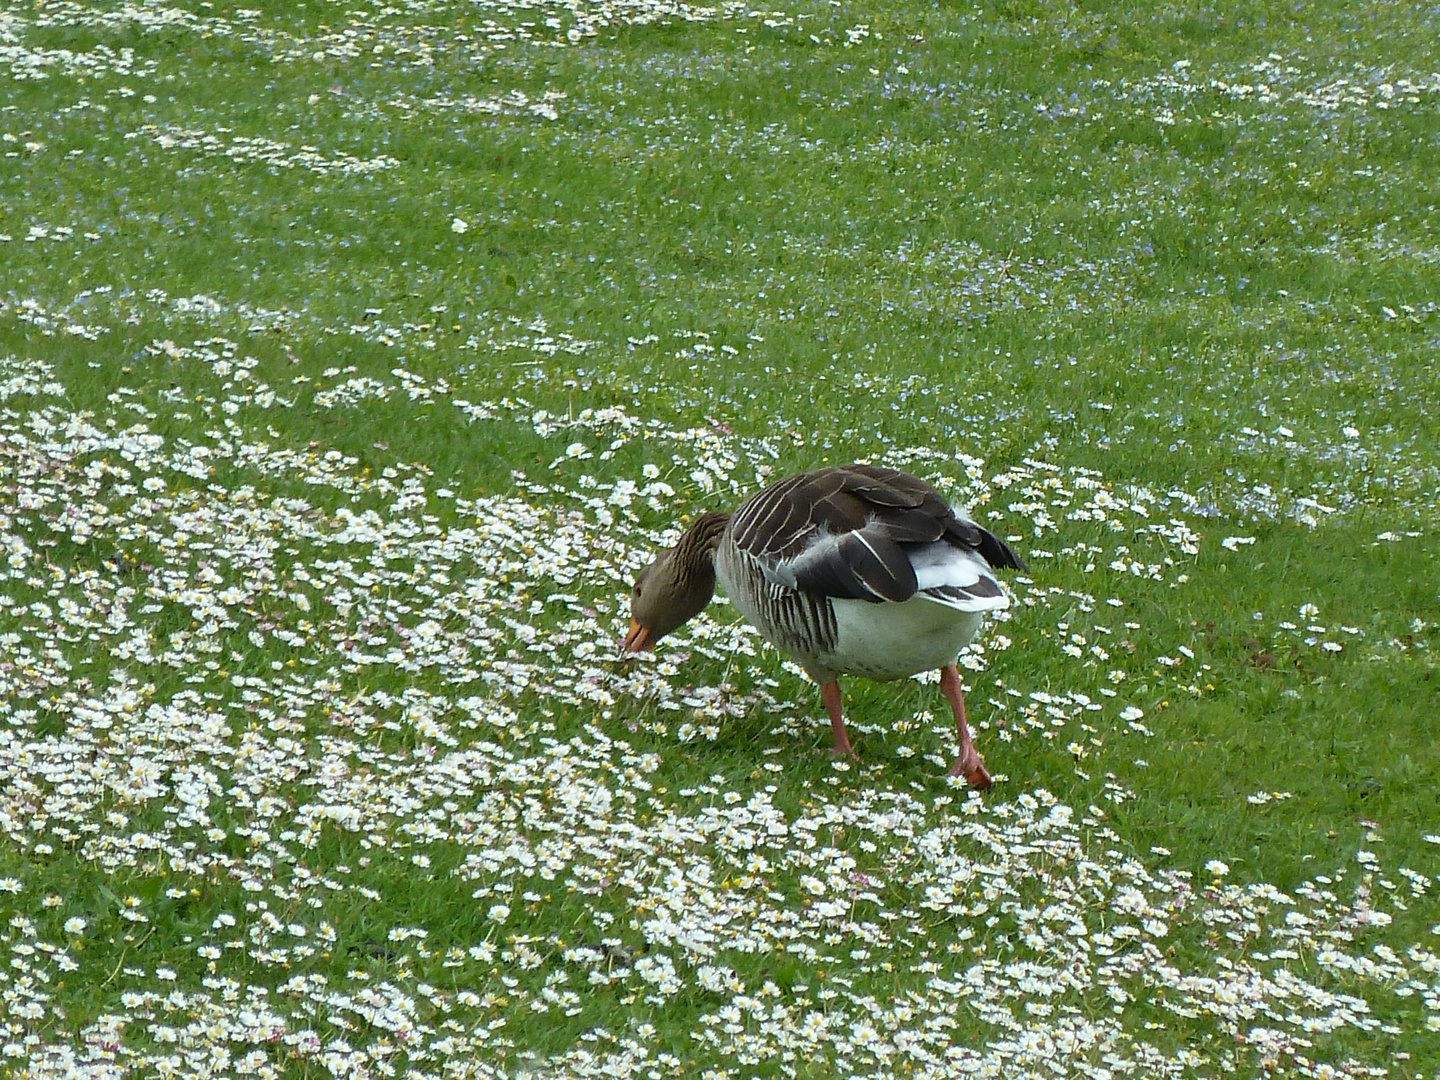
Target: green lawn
{"points": [[353, 358]]}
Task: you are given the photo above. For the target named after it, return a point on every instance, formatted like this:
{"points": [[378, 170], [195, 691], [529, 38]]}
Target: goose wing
{"points": [[860, 532]]}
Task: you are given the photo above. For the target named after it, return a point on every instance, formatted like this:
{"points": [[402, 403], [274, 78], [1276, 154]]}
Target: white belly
{"points": [[892, 641]]}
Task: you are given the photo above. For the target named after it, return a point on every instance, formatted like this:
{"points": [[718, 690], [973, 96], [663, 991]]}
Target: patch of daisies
{"points": [[1276, 80], [263, 151], [276, 704], [409, 34]]}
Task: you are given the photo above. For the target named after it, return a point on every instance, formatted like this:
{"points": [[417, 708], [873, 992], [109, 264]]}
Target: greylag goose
{"points": [[850, 570]]}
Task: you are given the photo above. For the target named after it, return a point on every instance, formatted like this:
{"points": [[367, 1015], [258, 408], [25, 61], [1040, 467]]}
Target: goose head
{"points": [[675, 588]]}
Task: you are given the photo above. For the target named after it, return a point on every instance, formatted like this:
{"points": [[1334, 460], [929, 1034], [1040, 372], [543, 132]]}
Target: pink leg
{"points": [[969, 764], [830, 696]]}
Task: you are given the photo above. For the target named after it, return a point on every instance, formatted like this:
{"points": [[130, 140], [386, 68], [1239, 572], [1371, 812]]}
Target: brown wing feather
{"points": [[887, 487]]}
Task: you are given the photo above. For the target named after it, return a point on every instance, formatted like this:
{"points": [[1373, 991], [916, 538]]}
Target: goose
{"points": [[849, 570]]}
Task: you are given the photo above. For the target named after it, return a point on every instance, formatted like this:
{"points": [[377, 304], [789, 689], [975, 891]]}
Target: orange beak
{"points": [[638, 639]]}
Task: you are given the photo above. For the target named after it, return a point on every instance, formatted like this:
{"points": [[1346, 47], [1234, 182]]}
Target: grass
{"points": [[352, 361]]}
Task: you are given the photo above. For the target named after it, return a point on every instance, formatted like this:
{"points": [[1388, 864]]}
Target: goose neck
{"points": [[695, 552]]}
